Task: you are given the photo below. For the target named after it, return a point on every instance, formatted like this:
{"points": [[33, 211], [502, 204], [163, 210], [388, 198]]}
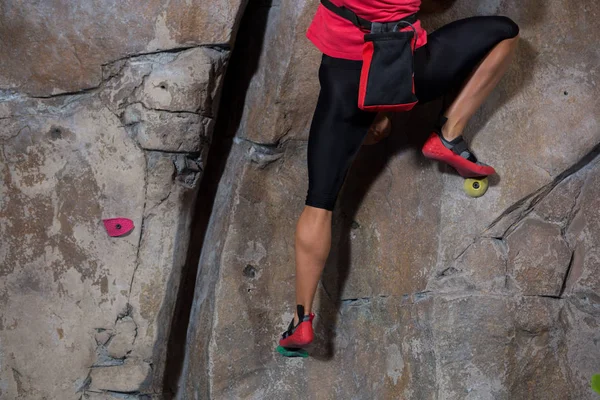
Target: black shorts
{"points": [[339, 126]]}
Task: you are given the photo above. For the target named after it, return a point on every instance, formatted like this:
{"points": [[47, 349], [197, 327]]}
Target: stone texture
{"points": [[126, 147], [128, 377], [470, 346], [539, 367], [168, 106], [174, 86], [402, 340], [366, 233], [583, 234], [427, 293], [482, 267], [538, 257], [57, 259], [103, 336], [473, 334], [57, 47], [123, 338], [558, 208], [283, 91], [153, 129]]}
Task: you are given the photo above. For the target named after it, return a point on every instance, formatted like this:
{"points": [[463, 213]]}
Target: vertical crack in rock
{"points": [[134, 92], [573, 212], [501, 244], [139, 245], [198, 277], [567, 274], [212, 88]]}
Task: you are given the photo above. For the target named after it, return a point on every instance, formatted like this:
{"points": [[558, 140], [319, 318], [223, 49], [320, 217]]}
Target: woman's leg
{"points": [[337, 132], [313, 242], [473, 53], [379, 129], [478, 87]]}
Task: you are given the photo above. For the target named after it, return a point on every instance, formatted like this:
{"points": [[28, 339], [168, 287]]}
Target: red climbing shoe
{"points": [[456, 154], [301, 335]]}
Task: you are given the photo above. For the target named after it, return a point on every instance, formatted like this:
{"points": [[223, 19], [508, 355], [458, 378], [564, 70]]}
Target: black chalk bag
{"points": [[387, 75]]}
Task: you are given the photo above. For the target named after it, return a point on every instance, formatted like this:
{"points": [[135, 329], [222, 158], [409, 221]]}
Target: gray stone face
{"points": [[153, 129], [189, 89], [282, 95], [58, 47], [474, 333], [538, 257], [123, 338], [84, 314], [128, 377], [58, 264], [482, 267], [427, 293], [108, 110]]}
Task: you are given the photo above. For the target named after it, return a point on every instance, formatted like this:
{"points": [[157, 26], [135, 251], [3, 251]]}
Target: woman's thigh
{"points": [[453, 51], [337, 131]]}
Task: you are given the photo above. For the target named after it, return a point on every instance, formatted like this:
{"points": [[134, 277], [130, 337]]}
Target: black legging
{"points": [[339, 126]]}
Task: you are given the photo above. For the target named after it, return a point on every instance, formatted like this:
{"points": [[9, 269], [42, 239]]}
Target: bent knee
{"points": [[509, 28]]}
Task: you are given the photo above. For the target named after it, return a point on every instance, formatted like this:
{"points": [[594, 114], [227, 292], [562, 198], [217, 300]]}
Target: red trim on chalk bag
{"points": [[391, 107], [364, 73], [118, 226]]}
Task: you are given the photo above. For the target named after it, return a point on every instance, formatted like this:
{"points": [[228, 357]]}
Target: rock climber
{"points": [[469, 55]]}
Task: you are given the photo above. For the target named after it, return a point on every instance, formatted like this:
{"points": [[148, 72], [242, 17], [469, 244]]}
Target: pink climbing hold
{"points": [[118, 226]]}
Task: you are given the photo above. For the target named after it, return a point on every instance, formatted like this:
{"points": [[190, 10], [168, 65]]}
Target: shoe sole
{"points": [[292, 352]]}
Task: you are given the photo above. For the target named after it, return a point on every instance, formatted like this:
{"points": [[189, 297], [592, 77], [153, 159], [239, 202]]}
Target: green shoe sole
{"points": [[287, 352]]}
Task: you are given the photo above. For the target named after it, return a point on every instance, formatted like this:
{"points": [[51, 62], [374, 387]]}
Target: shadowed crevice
{"points": [[241, 68]]}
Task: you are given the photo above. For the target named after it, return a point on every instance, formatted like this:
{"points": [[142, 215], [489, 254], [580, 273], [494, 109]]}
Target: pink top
{"points": [[339, 38]]}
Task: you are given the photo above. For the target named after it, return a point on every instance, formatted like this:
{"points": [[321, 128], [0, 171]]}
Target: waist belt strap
{"points": [[361, 22]]}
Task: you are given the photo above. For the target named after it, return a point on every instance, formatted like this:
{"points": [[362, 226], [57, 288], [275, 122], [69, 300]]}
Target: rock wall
{"points": [[106, 110], [109, 109], [428, 294]]}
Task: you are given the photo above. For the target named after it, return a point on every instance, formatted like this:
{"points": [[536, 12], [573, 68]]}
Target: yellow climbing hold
{"points": [[475, 187]]}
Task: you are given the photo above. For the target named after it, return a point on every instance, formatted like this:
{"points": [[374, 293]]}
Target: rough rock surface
{"points": [[56, 46], [428, 294], [92, 128], [107, 109]]}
